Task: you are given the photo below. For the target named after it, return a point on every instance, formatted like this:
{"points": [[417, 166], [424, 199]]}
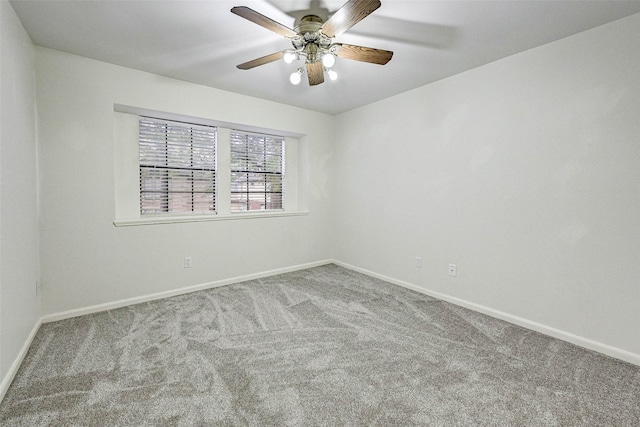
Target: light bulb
{"points": [[332, 74], [328, 60], [295, 78], [289, 57]]}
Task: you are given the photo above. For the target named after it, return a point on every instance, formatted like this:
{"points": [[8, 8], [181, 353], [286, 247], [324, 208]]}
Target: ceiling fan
{"points": [[312, 39]]}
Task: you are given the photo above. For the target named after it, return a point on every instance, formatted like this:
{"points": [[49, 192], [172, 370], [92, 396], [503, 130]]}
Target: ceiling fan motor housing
{"points": [[310, 38], [309, 24]]}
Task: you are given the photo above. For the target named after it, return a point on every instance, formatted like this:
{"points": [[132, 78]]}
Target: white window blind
{"points": [[257, 171], [177, 167]]}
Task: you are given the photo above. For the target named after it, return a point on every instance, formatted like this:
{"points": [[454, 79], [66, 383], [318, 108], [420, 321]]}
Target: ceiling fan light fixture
{"points": [[312, 40], [328, 60]]}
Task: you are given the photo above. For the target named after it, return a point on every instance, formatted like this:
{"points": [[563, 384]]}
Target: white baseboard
{"points": [[13, 370], [181, 291], [538, 327]]}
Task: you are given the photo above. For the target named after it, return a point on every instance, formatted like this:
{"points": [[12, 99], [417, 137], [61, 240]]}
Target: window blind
{"points": [[177, 167], [257, 171]]}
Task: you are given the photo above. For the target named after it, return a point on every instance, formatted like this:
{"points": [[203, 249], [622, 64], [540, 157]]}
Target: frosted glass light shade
{"points": [[295, 78], [328, 60], [289, 57]]}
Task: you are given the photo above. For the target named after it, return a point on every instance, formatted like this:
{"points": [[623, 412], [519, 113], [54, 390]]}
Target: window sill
{"points": [[171, 219]]}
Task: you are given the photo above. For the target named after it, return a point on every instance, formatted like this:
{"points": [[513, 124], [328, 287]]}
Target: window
{"points": [[257, 171], [174, 168], [177, 167]]}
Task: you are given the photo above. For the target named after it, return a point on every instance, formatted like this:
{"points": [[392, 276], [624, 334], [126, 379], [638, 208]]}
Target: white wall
{"points": [[525, 173], [86, 260], [19, 265]]}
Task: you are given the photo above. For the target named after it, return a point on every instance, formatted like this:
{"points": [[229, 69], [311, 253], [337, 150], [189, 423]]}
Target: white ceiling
{"points": [[202, 41]]}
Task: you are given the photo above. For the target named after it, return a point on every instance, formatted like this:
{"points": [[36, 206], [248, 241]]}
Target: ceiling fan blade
{"points": [[261, 61], [263, 21], [361, 53], [349, 15], [315, 72]]}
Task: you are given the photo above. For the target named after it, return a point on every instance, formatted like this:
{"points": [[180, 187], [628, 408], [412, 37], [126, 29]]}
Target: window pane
{"points": [[256, 171], [273, 183], [177, 167], [204, 202]]}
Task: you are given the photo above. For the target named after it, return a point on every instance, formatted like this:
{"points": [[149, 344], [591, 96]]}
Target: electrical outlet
{"points": [[453, 270], [419, 262], [187, 262]]}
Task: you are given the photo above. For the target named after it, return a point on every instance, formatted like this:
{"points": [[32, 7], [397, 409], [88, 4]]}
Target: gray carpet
{"points": [[324, 346]]}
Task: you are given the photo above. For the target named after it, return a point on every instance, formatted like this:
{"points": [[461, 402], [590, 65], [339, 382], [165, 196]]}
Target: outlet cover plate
{"points": [[453, 270]]}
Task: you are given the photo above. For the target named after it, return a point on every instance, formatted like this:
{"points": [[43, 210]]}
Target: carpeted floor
{"points": [[318, 347]]}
